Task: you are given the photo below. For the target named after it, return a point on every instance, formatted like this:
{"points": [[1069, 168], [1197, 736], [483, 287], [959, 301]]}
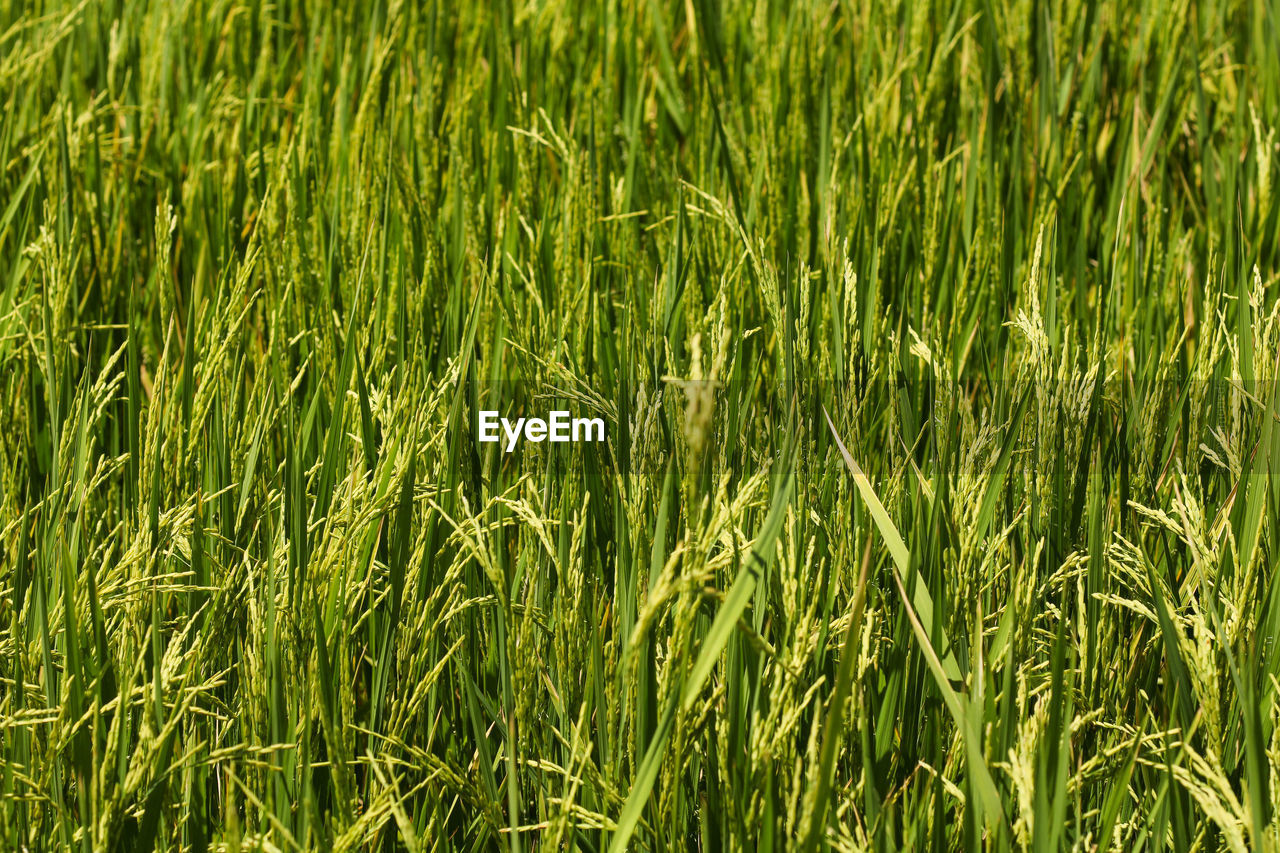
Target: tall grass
{"points": [[937, 345]]}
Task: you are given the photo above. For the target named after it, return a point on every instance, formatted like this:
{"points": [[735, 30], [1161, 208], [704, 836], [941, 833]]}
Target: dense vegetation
{"points": [[936, 344]]}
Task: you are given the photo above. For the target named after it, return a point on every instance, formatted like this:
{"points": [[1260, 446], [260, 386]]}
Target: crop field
{"points": [[935, 501]]}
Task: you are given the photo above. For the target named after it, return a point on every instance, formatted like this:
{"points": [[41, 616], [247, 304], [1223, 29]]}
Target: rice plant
{"points": [[934, 347]]}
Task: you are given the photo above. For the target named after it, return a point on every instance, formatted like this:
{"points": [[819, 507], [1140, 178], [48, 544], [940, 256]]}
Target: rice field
{"points": [[934, 349]]}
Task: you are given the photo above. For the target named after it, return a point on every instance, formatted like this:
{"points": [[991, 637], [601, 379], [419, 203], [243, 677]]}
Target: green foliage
{"points": [[937, 346]]}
